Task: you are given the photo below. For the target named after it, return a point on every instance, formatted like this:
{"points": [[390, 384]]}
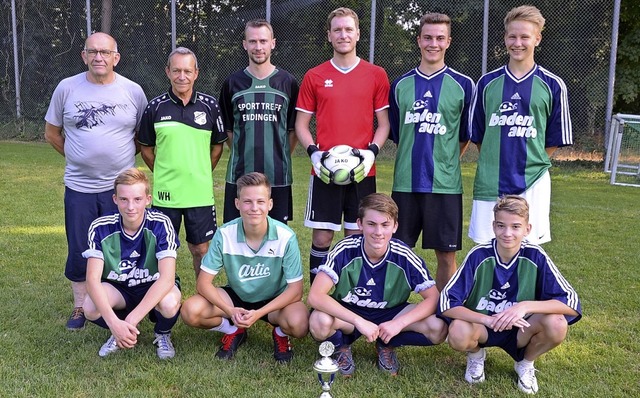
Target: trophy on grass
{"points": [[326, 368]]}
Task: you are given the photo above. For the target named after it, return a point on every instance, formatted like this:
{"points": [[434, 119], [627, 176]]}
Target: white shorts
{"points": [[539, 199]]}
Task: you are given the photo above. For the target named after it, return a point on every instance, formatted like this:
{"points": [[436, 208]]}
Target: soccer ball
{"points": [[340, 160]]}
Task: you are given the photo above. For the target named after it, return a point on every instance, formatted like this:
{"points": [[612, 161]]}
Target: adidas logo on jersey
{"points": [[134, 254], [516, 96], [505, 286], [371, 282], [428, 94], [328, 83]]}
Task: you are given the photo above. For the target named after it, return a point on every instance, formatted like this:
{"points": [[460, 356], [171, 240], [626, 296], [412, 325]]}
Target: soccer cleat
{"points": [[109, 347], [77, 319], [230, 343], [345, 360], [475, 368], [527, 381], [282, 351], [387, 359], [165, 348]]}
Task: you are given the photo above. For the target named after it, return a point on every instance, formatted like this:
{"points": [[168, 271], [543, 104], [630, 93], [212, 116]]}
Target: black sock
{"points": [[100, 322], [409, 338], [164, 325], [316, 258]]}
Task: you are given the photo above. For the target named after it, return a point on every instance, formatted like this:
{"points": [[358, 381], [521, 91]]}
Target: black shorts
{"points": [[282, 209], [507, 340], [238, 302], [199, 222], [326, 203], [437, 216]]}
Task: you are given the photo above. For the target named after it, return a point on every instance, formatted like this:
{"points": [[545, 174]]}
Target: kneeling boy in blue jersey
{"points": [[508, 294], [373, 275], [261, 259], [131, 269]]}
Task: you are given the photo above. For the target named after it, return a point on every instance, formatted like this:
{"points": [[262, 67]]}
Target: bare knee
{"points": [[198, 251], [90, 310], [320, 325], [170, 304], [322, 237], [437, 329], [460, 336], [555, 328], [190, 312], [297, 323]]}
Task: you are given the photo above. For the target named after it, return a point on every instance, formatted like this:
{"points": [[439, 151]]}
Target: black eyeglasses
{"points": [[104, 53]]}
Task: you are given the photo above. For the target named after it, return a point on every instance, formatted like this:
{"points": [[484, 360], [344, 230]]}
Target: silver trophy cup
{"points": [[326, 368]]}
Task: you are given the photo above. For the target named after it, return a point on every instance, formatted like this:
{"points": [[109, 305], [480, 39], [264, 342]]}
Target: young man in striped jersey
{"points": [[519, 117], [131, 269], [428, 108], [372, 275], [181, 136], [508, 294], [258, 110], [261, 260]]}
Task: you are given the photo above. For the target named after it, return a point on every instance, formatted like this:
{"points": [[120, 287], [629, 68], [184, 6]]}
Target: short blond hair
{"points": [[131, 176], [342, 12], [525, 13], [512, 204]]}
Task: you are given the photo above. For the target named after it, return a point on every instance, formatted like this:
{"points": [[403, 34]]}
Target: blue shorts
{"points": [[507, 340], [376, 316], [80, 209]]}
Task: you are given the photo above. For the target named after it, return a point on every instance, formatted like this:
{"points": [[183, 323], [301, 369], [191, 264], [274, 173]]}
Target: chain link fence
{"points": [[576, 45]]}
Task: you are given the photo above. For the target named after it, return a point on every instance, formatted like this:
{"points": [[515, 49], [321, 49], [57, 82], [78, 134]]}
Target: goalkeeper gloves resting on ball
{"points": [[316, 156], [368, 158]]}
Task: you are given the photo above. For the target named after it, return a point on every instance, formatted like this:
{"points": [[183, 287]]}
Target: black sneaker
{"points": [[282, 351], [230, 343], [77, 319]]}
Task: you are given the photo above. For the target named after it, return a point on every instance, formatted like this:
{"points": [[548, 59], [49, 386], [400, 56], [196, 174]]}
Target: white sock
{"points": [[476, 355], [225, 327], [524, 364], [279, 332]]}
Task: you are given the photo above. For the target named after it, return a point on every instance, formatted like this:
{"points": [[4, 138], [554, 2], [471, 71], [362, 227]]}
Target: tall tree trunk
{"points": [[107, 8]]}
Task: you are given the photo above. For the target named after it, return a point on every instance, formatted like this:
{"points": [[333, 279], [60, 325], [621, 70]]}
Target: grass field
{"points": [[596, 244]]}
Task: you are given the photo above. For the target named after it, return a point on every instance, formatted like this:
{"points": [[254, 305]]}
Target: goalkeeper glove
{"points": [[317, 156], [368, 157]]}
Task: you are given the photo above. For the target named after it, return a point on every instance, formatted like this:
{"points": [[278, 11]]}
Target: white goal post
{"points": [[623, 150]]}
